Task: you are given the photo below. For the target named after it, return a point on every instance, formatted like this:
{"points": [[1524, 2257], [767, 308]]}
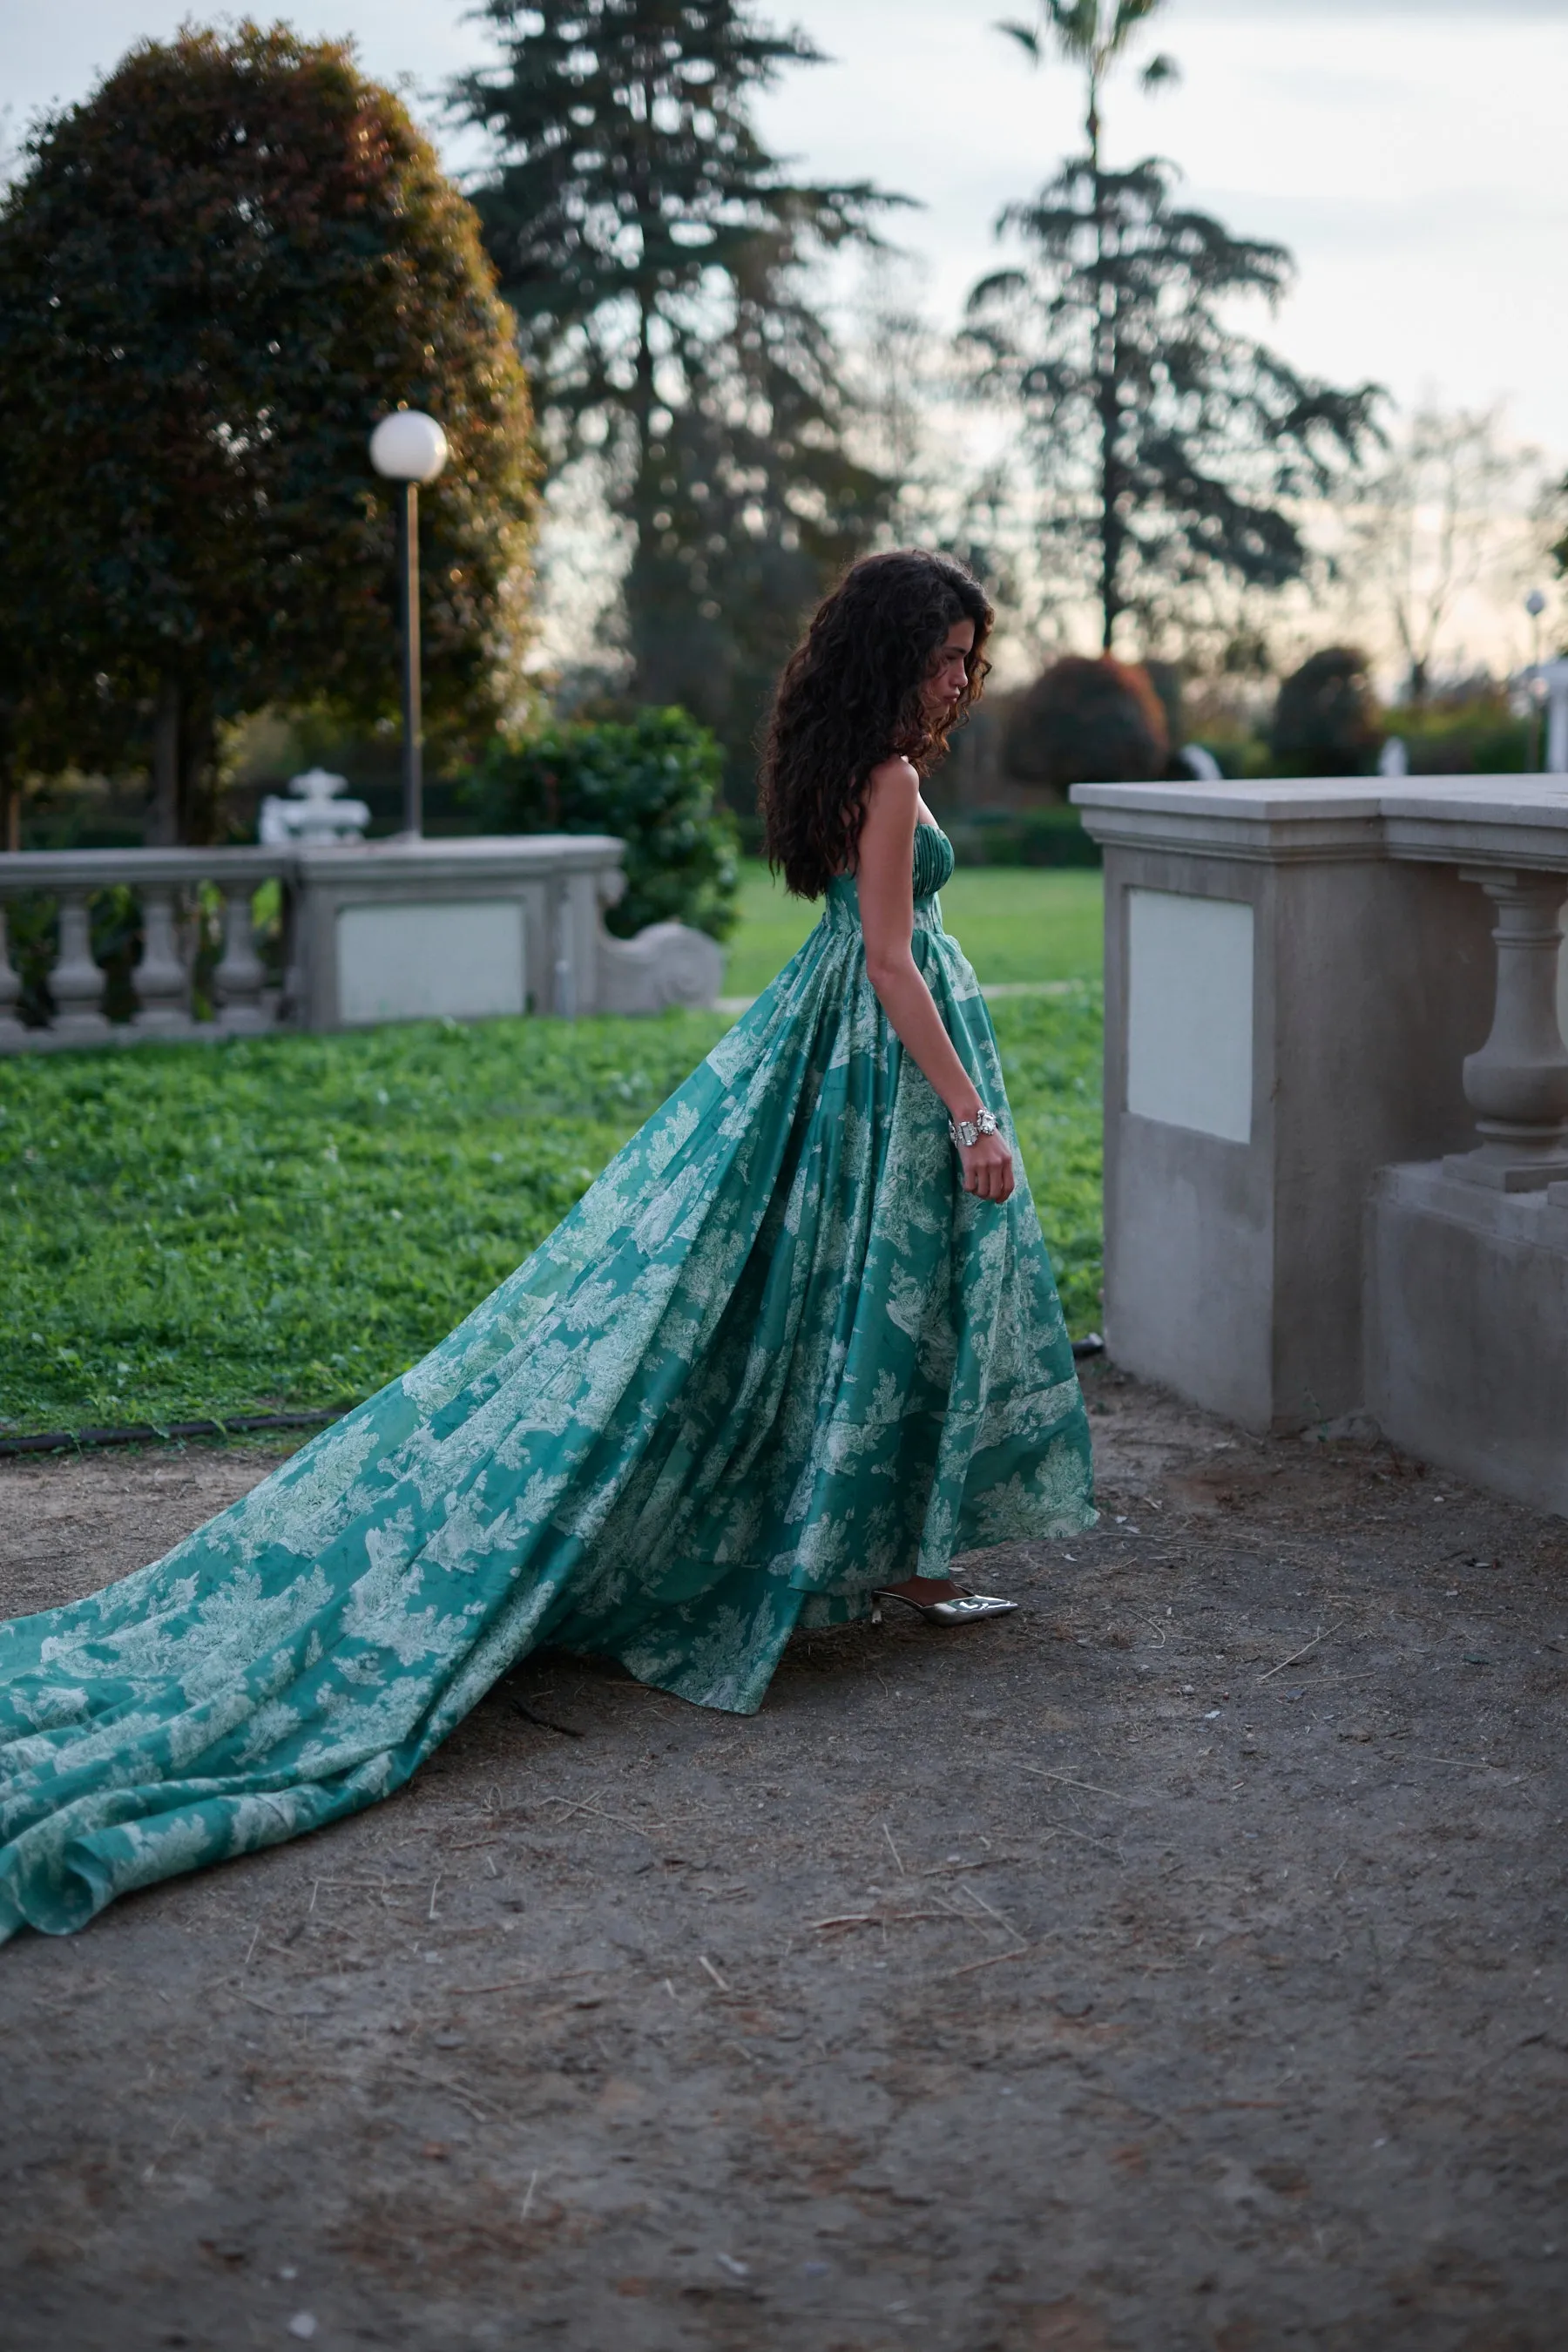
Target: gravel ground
{"points": [[1178, 1963]]}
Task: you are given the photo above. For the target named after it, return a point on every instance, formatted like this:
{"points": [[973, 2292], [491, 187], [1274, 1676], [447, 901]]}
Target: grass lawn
{"points": [[290, 1222], [1013, 922]]}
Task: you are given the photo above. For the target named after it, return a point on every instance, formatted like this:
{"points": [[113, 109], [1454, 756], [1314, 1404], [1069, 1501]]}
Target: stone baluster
{"points": [[240, 976], [12, 1032], [162, 982], [291, 1002], [76, 983], [1517, 1083], [563, 978]]}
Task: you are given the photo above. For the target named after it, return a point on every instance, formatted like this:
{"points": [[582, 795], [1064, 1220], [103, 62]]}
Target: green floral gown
{"points": [[775, 1358]]}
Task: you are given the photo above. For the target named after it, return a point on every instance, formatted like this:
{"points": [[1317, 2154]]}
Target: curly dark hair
{"points": [[850, 697]]}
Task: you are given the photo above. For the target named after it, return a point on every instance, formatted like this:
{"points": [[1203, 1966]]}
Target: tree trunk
{"points": [[645, 490], [163, 812], [1111, 529], [198, 786], [11, 816], [1110, 535]]}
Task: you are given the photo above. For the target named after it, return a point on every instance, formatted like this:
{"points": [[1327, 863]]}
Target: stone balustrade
{"points": [[1337, 1108], [370, 932], [167, 883]]}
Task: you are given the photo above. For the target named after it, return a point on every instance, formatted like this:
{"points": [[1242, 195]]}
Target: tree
{"points": [[1441, 516], [1094, 34], [901, 374], [1327, 721], [1169, 445], [656, 257], [1088, 722], [215, 275], [42, 731]]}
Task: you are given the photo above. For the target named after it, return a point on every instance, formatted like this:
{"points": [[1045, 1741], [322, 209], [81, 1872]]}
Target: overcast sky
{"points": [[1408, 151]]}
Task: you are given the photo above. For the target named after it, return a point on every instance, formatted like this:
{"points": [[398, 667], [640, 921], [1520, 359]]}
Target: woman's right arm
{"points": [[885, 876]]}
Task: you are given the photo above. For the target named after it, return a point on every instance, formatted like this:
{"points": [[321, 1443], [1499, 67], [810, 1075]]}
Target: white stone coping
{"points": [[1501, 820], [99, 870], [492, 858]]}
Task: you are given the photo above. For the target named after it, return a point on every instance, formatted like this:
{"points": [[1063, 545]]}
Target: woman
{"points": [[796, 1346]]}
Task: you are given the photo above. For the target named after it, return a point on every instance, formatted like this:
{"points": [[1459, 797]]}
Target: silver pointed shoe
{"points": [[966, 1610]]}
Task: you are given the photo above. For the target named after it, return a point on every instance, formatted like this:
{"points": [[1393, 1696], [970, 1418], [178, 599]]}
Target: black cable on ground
{"points": [[238, 1424]]}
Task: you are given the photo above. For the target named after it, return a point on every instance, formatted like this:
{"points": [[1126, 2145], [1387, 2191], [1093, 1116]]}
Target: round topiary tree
{"points": [[1088, 722], [215, 275], [1327, 721]]}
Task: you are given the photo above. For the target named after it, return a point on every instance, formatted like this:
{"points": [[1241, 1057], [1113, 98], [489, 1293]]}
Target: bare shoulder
{"points": [[896, 777]]}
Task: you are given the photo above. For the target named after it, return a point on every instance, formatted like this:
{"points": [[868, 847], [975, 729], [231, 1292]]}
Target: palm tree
{"points": [[1174, 446], [1093, 34]]}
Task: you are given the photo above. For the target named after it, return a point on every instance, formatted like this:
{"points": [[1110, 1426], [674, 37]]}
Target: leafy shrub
{"points": [[1088, 722], [653, 780], [1327, 721], [1472, 734]]}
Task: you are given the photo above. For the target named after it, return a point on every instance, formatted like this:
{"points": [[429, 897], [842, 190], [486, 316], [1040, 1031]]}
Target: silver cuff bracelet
{"points": [[970, 1130]]}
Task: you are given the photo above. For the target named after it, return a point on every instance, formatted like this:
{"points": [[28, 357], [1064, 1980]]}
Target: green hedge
{"points": [[1053, 835], [653, 780], [1043, 836]]}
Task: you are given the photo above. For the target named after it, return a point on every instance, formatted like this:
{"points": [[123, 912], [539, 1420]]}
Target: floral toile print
{"points": [[775, 1358]]}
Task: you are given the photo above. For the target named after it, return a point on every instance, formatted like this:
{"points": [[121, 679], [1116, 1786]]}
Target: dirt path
{"points": [[1070, 1983]]}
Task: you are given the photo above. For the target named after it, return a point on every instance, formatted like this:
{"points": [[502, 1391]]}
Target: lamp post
{"points": [[1535, 604], [410, 447]]}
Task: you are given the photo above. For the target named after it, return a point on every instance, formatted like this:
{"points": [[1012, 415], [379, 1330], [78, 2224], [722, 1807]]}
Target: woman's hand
{"points": [[987, 1165]]}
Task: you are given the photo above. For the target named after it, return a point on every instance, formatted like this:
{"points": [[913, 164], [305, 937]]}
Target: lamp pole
{"points": [[409, 447], [1535, 604], [408, 623]]}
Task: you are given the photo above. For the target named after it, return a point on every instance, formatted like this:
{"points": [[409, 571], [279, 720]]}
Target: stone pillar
{"points": [[563, 972], [76, 983], [240, 976], [1517, 1083], [1554, 675], [538, 946], [1286, 1011], [162, 983], [12, 1033], [294, 996]]}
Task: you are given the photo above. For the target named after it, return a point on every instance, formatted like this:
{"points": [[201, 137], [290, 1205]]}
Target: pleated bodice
{"points": [[933, 864]]}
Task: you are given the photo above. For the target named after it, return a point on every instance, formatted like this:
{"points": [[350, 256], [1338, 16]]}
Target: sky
{"points": [[1408, 151]]}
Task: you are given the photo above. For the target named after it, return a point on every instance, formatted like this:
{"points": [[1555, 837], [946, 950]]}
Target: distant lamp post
{"points": [[409, 447], [1535, 604]]}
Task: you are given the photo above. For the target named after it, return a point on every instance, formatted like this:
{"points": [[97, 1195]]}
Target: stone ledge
{"points": [[1467, 1302], [1462, 820]]}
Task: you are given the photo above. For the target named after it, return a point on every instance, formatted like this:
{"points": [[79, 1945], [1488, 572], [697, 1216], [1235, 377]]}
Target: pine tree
{"points": [[656, 257], [1171, 445]]}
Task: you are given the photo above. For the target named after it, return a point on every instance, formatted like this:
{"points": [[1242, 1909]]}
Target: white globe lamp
{"points": [[410, 447]]}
